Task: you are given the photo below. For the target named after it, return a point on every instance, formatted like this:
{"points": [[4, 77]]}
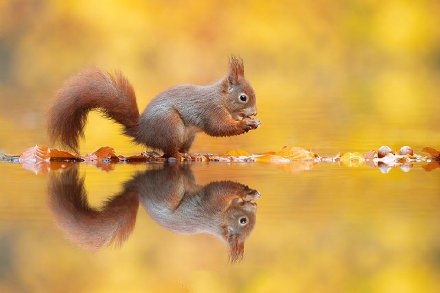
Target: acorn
{"points": [[383, 151], [406, 150]]}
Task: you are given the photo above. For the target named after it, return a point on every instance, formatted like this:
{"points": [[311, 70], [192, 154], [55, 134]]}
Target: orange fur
{"points": [[113, 95], [171, 120]]}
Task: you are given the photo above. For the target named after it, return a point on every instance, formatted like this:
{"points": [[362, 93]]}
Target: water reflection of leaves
{"points": [[170, 196], [433, 152], [431, 166]]}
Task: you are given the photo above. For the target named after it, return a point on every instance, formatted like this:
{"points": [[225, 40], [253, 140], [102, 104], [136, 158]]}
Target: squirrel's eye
{"points": [[243, 221], [243, 98]]}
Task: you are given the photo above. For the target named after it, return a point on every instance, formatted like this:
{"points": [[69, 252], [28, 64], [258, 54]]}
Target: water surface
{"points": [[330, 228]]}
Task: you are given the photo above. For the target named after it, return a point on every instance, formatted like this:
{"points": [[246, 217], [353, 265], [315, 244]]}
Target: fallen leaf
{"points": [[102, 153], [433, 152], [61, 155], [237, 153], [352, 159], [268, 158], [135, 158], [35, 154], [294, 153], [41, 153], [370, 155], [105, 153]]}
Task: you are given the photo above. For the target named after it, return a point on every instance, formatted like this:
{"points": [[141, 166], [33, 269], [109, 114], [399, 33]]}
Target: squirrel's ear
{"points": [[236, 70]]}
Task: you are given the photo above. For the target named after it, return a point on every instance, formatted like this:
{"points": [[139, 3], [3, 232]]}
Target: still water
{"points": [[156, 227]]}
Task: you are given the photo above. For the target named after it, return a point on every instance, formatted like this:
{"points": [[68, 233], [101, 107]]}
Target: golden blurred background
{"points": [[329, 76]]}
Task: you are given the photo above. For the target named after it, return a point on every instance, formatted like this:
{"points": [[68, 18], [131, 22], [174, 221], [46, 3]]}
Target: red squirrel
{"points": [[171, 120], [171, 197]]}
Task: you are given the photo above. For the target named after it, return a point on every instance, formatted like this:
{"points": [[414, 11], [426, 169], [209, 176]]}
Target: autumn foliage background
{"points": [[328, 76], [332, 76]]}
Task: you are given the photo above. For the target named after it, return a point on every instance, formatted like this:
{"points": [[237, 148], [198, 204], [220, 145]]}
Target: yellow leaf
{"points": [[268, 158], [352, 159], [295, 153], [237, 153]]}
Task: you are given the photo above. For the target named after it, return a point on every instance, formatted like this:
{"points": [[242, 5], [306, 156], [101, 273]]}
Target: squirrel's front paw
{"points": [[250, 123]]}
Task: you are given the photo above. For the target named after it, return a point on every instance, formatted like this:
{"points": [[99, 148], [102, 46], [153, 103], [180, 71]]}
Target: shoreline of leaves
{"points": [[42, 159]]}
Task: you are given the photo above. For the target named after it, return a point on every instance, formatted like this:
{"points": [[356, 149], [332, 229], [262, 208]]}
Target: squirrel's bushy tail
{"points": [[92, 89]]}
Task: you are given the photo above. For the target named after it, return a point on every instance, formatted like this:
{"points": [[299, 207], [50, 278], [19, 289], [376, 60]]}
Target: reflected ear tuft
{"points": [[236, 248]]}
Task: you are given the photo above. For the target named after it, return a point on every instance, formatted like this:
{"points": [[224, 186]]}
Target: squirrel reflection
{"points": [[170, 196]]}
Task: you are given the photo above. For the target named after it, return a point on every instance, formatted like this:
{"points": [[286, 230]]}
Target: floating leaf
{"points": [[61, 155], [102, 154], [352, 159], [433, 152], [268, 158], [370, 155], [40, 159], [105, 153], [134, 159], [237, 153], [294, 153], [35, 154], [43, 153]]}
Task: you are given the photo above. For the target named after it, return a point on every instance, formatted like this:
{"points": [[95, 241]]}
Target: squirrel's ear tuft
{"points": [[236, 248], [235, 243], [236, 69]]}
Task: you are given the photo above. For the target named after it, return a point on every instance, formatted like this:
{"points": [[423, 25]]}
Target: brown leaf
{"points": [[370, 155], [101, 154], [61, 155], [105, 153], [134, 159], [433, 152], [36, 154], [40, 153]]}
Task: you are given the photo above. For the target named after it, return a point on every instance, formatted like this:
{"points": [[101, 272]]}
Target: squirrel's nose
{"points": [[252, 111]]}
